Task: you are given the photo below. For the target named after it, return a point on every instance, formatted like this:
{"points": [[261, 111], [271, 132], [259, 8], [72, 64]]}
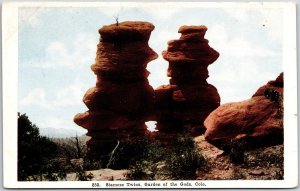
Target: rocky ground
{"points": [[260, 164]]}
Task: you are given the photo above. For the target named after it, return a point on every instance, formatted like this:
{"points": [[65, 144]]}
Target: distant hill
{"points": [[59, 132]]}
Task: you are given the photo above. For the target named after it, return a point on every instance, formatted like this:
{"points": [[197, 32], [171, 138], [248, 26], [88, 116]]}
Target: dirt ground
{"points": [[261, 164]]}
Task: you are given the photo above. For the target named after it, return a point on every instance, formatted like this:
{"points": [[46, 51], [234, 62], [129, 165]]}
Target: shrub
{"points": [[147, 167], [275, 96], [56, 169], [179, 161], [237, 151], [185, 159]]}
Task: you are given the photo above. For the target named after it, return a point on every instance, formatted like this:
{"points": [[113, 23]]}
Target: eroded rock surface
{"points": [[183, 105], [254, 122], [122, 99]]}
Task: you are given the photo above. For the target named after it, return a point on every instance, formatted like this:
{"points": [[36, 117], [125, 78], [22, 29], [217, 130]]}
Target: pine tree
{"points": [[34, 150]]}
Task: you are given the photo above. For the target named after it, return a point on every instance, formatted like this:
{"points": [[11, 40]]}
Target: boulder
{"points": [[255, 122]]}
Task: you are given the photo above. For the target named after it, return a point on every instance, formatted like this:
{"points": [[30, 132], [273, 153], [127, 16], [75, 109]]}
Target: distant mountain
{"points": [[59, 132]]}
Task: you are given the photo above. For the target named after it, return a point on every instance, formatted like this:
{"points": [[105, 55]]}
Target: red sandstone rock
{"points": [[103, 120], [191, 72], [196, 95], [193, 29], [188, 81], [129, 55], [127, 31], [163, 96], [192, 33], [122, 76], [188, 99], [122, 100], [276, 85], [257, 172], [116, 97], [183, 105], [186, 115], [256, 120], [191, 47], [204, 58], [182, 45]]}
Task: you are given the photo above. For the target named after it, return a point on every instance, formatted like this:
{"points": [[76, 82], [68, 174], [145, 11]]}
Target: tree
{"points": [[34, 150]]}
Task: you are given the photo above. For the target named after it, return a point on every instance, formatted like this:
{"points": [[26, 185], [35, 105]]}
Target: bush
{"points": [[55, 170], [185, 159], [147, 167], [276, 97], [237, 151]]}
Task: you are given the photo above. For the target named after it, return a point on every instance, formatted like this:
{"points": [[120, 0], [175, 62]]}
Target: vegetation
{"points": [[148, 166], [128, 152], [180, 161], [185, 159], [267, 159], [34, 151], [41, 158], [275, 96], [237, 151]]}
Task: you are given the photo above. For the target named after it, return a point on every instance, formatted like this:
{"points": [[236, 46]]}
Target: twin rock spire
{"points": [[122, 100]]}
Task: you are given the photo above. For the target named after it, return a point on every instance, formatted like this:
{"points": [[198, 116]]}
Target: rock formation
{"points": [[254, 122], [188, 99], [122, 99]]}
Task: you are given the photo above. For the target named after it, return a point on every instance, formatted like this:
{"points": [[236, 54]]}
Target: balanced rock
{"points": [[255, 122], [122, 99], [183, 105]]}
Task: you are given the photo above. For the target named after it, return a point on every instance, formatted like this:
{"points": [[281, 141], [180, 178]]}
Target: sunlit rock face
{"points": [[122, 99], [183, 105], [252, 123]]}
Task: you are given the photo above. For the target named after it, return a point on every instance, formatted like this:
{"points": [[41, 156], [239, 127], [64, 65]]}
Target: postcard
{"points": [[131, 95]]}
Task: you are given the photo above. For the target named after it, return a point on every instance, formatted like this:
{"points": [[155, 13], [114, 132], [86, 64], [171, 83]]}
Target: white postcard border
{"points": [[10, 76]]}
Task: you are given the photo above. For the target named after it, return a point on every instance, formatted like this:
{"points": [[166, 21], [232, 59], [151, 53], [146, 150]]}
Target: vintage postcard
{"points": [[149, 95]]}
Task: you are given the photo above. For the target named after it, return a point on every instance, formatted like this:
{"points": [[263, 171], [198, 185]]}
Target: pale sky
{"points": [[58, 45]]}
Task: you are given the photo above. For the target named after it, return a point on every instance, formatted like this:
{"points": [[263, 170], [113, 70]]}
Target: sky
{"points": [[58, 45]]}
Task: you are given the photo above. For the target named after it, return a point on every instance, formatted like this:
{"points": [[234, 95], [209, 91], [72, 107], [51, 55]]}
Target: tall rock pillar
{"points": [[122, 99], [183, 105]]}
